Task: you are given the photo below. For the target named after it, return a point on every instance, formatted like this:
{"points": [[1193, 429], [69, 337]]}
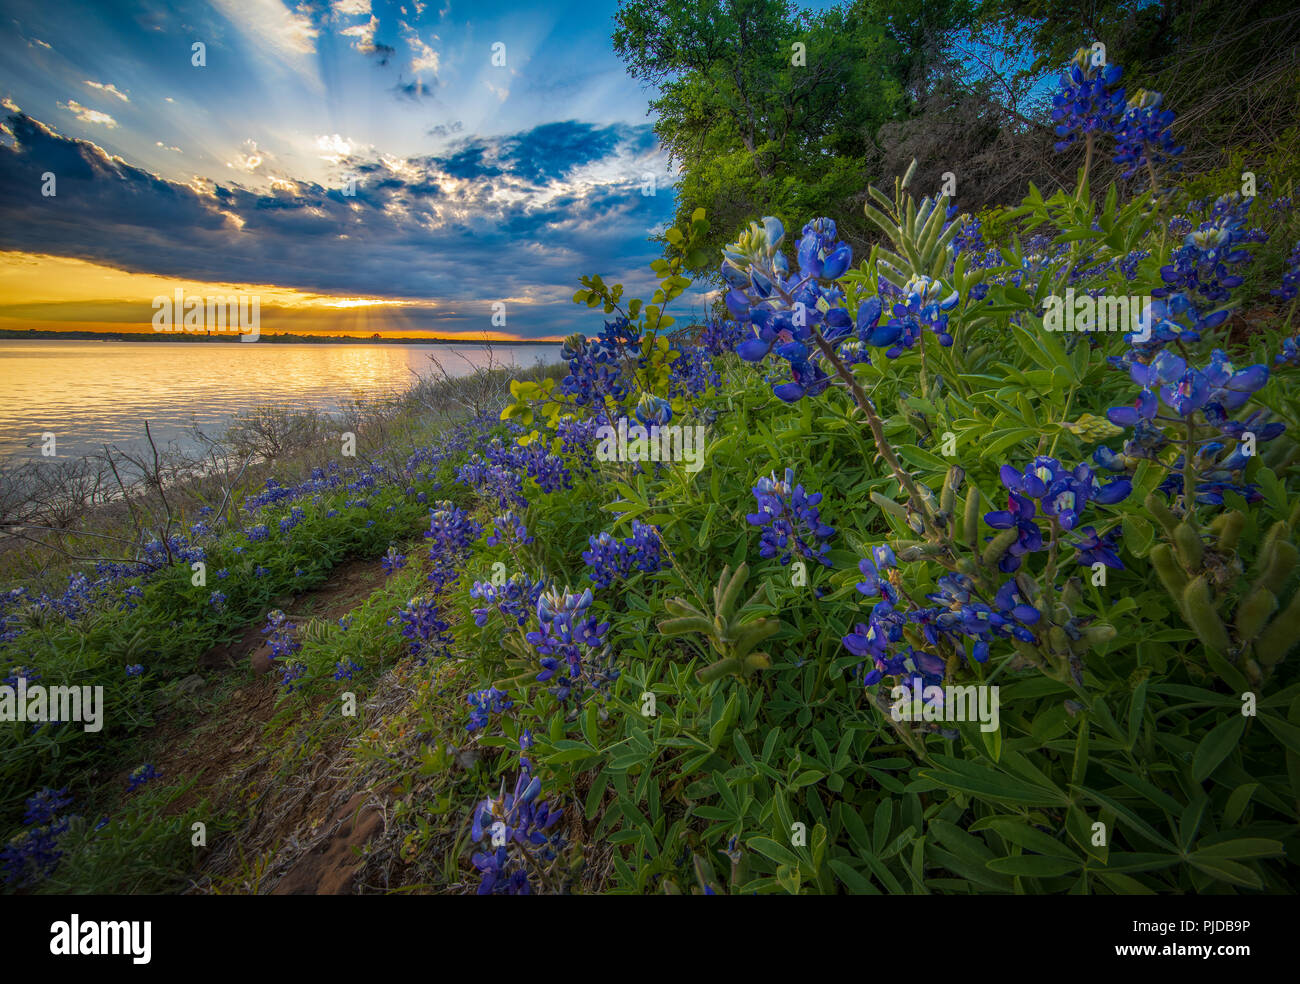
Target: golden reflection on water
{"points": [[89, 393]]}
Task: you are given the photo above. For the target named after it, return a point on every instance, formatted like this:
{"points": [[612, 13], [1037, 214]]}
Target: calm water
{"points": [[91, 393]]}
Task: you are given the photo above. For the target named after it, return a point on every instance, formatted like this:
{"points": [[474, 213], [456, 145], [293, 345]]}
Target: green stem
{"points": [[877, 430]]}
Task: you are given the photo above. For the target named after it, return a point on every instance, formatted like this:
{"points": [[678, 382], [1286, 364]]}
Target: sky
{"points": [[497, 151]]}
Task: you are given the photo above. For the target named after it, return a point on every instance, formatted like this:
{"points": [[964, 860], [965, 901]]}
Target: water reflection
{"points": [[91, 393]]}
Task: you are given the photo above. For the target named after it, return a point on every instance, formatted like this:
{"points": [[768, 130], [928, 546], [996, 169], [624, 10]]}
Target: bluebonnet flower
{"points": [[525, 743], [134, 669], [1088, 102], [790, 520], [33, 853], [923, 306], [451, 532], [1128, 264], [494, 479], [140, 776], [485, 703], [508, 528], [782, 310], [281, 634], [1185, 389], [516, 599], [296, 516], [392, 562], [1290, 278], [21, 673], [217, 600], [548, 470], [596, 365], [691, 373], [821, 254], [611, 558], [1142, 137], [45, 805], [1063, 493], [875, 580], [1201, 267], [344, 671], [567, 638], [721, 335], [516, 826], [578, 437], [1290, 354], [293, 672], [424, 628]]}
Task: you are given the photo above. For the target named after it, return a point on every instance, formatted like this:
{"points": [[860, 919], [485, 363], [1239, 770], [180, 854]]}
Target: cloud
{"points": [[165, 147], [334, 148], [425, 59], [249, 157], [518, 216], [278, 36], [109, 88], [86, 115]]}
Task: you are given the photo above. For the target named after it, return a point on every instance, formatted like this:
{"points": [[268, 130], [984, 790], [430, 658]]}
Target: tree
{"points": [[772, 110]]}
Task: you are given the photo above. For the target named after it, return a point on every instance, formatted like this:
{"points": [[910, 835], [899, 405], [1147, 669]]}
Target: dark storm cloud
{"points": [[493, 218]]}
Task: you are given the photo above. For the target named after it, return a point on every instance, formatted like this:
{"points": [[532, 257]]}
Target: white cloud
{"points": [[279, 35], [109, 88], [165, 147], [425, 58], [350, 8], [86, 115], [250, 158], [333, 148], [364, 33]]}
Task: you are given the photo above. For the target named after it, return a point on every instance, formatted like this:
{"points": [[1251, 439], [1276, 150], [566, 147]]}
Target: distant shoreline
{"points": [[279, 339]]}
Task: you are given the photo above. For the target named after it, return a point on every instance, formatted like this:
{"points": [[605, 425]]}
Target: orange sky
{"points": [[55, 293]]}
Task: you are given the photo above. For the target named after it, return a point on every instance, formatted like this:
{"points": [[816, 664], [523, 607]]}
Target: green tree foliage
{"points": [[761, 125]]}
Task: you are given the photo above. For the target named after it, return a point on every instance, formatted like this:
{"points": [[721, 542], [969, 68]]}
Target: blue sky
{"points": [[477, 182]]}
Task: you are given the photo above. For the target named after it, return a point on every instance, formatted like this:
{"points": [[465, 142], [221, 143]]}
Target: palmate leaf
{"points": [[991, 784]]}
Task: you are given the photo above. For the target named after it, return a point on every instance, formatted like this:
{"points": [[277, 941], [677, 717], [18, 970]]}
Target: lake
{"points": [[89, 393]]}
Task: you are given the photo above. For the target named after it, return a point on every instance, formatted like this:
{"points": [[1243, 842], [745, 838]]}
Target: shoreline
{"points": [[40, 335]]}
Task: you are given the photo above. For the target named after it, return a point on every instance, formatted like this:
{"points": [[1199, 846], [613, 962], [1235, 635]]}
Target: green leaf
{"points": [[992, 785], [773, 851], [1228, 871], [1030, 838], [1033, 866], [1242, 847], [1287, 734], [1216, 746]]}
